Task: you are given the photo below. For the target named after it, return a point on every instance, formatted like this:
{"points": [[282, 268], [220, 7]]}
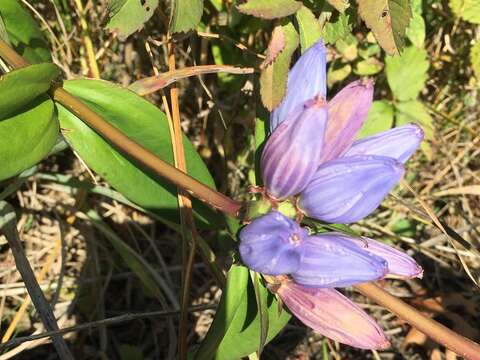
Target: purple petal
{"points": [[290, 154], [398, 143], [346, 190], [331, 261], [347, 112], [333, 315], [399, 263], [306, 80], [270, 244]]}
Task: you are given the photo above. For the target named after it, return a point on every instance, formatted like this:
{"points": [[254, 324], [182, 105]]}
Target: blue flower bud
{"points": [[346, 190], [331, 261], [290, 154], [398, 143], [270, 244], [306, 80]]}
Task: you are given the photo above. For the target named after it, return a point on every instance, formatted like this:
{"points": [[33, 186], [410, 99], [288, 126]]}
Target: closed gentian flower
{"points": [[306, 79], [347, 112], [294, 146], [399, 264], [347, 189], [398, 143], [331, 314], [330, 260], [270, 244]]}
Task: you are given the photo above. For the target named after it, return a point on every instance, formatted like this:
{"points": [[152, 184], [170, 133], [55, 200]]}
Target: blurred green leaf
{"points": [[20, 87], [468, 10], [269, 9], [416, 29], [407, 73], [340, 5], [414, 111], [380, 118], [128, 16], [475, 59], [262, 308], [370, 66], [309, 28], [3, 31], [388, 20], [186, 14], [30, 133], [273, 79], [235, 331], [348, 47], [23, 32], [145, 124], [336, 30], [338, 72]]}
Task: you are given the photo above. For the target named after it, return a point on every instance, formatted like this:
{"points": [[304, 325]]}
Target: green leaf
{"points": [[337, 72], [186, 14], [339, 29], [145, 124], [23, 32], [388, 20], [340, 5], [309, 28], [370, 66], [416, 29], [468, 10], [380, 118], [273, 79], [407, 73], [235, 331], [28, 136], [269, 9], [414, 111], [20, 87], [475, 59], [128, 16]]}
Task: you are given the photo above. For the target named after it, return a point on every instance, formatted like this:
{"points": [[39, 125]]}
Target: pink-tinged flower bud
{"points": [[347, 112], [329, 260], [346, 190], [398, 143], [331, 314], [290, 154], [270, 244], [306, 80], [399, 263]]}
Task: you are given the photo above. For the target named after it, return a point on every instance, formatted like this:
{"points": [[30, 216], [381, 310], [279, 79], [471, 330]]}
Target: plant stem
{"points": [[439, 333]]}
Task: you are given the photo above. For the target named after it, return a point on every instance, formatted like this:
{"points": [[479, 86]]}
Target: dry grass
{"points": [[87, 280]]}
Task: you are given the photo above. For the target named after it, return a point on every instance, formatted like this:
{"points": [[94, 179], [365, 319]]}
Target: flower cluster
{"points": [[312, 160]]}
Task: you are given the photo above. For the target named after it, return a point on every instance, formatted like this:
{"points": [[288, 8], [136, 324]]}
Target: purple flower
{"points": [[306, 80], [329, 260], [398, 143], [270, 244], [295, 145], [347, 189], [333, 315]]}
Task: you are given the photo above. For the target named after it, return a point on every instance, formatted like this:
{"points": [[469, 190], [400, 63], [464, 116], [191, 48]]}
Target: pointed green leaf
{"points": [[416, 29], [273, 79], [380, 118], [23, 32], [407, 73], [145, 124], [28, 136], [128, 16], [388, 20], [20, 87], [468, 10], [235, 331], [309, 28], [186, 14], [269, 9]]}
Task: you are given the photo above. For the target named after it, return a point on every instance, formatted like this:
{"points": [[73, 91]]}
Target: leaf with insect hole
{"points": [[128, 16]]}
